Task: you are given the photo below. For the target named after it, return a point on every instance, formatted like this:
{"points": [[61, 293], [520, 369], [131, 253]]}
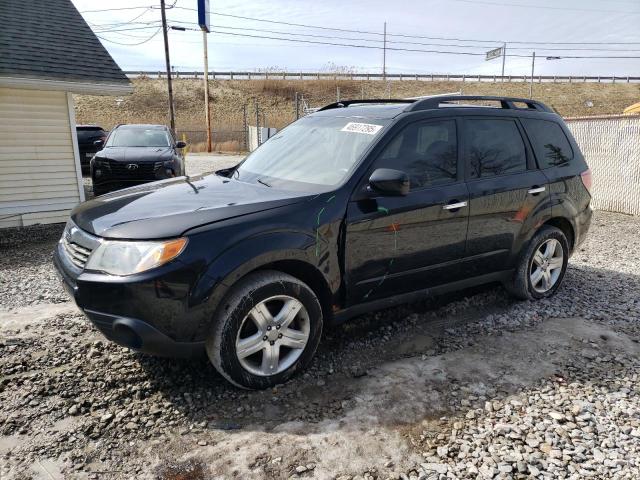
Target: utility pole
{"points": [[384, 53], [207, 111], [172, 120], [257, 124], [533, 65], [504, 56], [245, 125]]}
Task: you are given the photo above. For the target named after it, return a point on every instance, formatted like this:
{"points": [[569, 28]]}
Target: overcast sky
{"points": [[582, 22]]}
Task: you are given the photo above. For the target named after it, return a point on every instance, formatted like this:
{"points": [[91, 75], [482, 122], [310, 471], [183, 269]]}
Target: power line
{"points": [[132, 44], [397, 34], [295, 40], [135, 18], [125, 29], [389, 48], [284, 23], [545, 7], [432, 44], [116, 9], [407, 35], [122, 24]]}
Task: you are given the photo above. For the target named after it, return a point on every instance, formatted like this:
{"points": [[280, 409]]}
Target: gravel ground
{"points": [[27, 276], [470, 385]]}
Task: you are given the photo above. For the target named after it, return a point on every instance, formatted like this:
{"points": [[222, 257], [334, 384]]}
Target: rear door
{"points": [[507, 193], [396, 244], [563, 164]]}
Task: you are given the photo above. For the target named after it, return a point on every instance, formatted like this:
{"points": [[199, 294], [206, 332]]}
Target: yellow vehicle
{"points": [[632, 109]]}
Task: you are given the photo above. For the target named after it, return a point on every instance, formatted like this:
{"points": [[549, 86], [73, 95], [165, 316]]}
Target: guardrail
{"points": [[431, 77]]}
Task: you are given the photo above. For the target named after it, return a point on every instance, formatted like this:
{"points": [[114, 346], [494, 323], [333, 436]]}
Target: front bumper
{"points": [[140, 336], [114, 175], [111, 307]]}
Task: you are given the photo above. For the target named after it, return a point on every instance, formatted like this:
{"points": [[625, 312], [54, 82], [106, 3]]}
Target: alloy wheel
{"points": [[546, 265], [273, 335]]}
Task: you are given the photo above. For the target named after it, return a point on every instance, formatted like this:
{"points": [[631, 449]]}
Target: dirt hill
{"points": [[148, 102]]}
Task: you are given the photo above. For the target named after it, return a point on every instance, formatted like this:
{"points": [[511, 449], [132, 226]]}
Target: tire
{"points": [[245, 339], [523, 285]]}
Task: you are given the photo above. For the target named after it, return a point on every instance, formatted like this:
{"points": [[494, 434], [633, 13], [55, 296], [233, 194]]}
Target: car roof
{"points": [[390, 108], [142, 125], [377, 110]]}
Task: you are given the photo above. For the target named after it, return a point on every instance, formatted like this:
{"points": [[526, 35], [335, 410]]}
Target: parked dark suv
{"points": [[87, 136], [135, 154], [362, 205]]}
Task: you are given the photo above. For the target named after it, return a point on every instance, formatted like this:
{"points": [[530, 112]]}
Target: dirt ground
{"points": [[469, 385], [147, 103]]}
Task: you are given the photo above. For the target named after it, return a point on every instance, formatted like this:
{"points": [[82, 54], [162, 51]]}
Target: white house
{"points": [[47, 53]]}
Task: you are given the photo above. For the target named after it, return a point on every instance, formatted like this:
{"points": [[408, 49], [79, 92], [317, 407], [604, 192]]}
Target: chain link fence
{"points": [[611, 146], [234, 141]]}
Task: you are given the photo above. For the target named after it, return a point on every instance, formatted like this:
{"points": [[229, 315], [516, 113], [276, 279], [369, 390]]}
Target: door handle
{"points": [[536, 190], [454, 206]]}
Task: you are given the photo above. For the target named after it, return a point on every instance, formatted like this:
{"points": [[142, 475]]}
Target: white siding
{"points": [[38, 170]]}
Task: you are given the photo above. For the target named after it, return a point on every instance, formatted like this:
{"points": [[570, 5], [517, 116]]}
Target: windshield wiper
{"points": [[263, 182]]}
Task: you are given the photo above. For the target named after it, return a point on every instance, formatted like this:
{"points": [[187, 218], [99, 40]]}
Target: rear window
{"points": [[550, 144], [90, 134]]}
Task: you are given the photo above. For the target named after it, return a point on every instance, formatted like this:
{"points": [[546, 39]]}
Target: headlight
{"points": [[126, 258]]}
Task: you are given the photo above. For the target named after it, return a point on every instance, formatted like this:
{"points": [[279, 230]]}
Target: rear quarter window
{"points": [[550, 144]]}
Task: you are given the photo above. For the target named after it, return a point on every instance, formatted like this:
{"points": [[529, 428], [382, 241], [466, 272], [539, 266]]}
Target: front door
{"points": [[398, 244]]}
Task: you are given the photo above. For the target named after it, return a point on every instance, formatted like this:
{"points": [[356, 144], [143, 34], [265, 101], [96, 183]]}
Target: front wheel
{"points": [[542, 265], [267, 329]]}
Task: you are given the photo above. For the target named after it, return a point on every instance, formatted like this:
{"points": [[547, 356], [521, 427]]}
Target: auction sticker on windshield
{"points": [[368, 128]]}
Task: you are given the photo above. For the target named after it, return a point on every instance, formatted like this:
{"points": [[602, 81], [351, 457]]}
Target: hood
{"points": [[136, 154], [170, 207]]}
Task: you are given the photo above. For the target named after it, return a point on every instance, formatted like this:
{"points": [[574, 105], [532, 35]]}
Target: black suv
{"points": [[87, 136], [135, 154], [362, 205]]}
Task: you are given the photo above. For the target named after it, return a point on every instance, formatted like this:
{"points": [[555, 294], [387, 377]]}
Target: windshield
{"points": [[314, 151], [138, 137]]}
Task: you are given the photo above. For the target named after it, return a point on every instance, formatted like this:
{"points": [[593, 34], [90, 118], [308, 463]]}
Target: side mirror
{"points": [[98, 143], [389, 182], [181, 144]]}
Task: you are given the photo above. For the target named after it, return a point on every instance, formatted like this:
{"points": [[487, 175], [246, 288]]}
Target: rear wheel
{"points": [[268, 329], [542, 265]]}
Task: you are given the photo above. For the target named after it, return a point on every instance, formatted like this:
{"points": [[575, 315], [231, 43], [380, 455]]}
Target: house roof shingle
{"points": [[49, 40]]}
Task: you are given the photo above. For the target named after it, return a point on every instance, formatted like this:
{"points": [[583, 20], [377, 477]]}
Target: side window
{"points": [[426, 151], [549, 142], [495, 147]]}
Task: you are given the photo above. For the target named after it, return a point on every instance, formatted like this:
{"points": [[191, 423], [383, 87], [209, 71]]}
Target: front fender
{"points": [[253, 253]]}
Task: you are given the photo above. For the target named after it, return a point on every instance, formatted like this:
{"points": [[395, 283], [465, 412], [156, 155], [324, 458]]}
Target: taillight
{"points": [[587, 179]]}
